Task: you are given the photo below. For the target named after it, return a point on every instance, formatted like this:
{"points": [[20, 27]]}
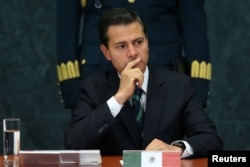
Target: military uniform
{"points": [[171, 24]]}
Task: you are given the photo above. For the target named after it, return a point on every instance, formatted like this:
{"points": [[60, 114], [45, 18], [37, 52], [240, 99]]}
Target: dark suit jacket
{"points": [[172, 112], [174, 27]]}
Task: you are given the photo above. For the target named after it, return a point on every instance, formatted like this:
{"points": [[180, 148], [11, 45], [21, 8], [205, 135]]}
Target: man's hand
{"points": [[130, 76], [157, 144]]}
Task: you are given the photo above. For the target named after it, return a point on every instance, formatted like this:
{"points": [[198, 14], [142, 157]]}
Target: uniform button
{"points": [[60, 92], [131, 1], [83, 61]]}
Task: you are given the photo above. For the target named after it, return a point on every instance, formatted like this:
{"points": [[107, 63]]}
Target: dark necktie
{"points": [[137, 107]]}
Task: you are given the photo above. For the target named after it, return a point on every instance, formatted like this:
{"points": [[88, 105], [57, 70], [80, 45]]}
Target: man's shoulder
{"points": [[170, 80], [101, 77], [168, 74]]}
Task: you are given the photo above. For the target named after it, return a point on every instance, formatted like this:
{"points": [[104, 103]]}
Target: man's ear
{"points": [[105, 51]]}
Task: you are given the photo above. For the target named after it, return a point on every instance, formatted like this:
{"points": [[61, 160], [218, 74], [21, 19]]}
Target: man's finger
{"points": [[131, 64]]}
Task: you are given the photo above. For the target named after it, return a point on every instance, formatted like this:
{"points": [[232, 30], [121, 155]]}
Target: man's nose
{"points": [[132, 51]]}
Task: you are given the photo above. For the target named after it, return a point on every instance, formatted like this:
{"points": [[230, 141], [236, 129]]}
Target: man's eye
{"points": [[120, 46], [138, 43]]}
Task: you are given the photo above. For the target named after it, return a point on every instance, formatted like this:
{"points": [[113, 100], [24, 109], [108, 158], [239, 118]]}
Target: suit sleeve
{"points": [[200, 129], [89, 122], [68, 17], [192, 22]]}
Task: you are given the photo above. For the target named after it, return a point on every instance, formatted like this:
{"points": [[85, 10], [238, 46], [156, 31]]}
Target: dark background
{"points": [[28, 80]]}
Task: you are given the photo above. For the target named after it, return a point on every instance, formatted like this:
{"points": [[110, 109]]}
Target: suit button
{"points": [[100, 130]]}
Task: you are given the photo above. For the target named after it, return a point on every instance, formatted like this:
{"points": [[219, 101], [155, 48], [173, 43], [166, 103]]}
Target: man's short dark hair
{"points": [[117, 16]]}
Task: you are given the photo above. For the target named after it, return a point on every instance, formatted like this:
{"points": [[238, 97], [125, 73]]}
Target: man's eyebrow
{"points": [[139, 38], [123, 42], [120, 42]]}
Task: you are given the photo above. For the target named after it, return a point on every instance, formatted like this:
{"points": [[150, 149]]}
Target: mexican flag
{"points": [[136, 158]]}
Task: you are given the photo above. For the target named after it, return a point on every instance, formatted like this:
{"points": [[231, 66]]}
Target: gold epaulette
{"points": [[67, 71], [201, 70], [83, 3]]}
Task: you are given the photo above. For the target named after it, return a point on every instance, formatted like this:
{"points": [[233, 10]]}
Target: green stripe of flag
{"points": [[131, 159]]}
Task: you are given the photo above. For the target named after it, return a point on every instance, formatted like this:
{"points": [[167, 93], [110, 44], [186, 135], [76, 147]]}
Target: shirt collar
{"points": [[145, 83]]}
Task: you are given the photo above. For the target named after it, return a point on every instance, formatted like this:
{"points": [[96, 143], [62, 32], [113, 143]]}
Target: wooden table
{"points": [[114, 161]]}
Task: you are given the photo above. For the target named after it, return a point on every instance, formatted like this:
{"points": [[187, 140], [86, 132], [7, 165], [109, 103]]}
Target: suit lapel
{"points": [[154, 106]]}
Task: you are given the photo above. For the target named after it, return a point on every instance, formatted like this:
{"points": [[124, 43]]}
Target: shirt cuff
{"points": [[114, 106], [188, 151]]}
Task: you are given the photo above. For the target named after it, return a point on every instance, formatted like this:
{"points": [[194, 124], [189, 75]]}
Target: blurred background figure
{"points": [[176, 28]]}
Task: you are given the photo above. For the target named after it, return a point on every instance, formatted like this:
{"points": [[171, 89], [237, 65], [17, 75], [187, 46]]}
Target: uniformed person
{"points": [[176, 28]]}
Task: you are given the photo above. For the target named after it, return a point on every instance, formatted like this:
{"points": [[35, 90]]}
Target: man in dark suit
{"points": [[104, 118], [176, 28]]}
